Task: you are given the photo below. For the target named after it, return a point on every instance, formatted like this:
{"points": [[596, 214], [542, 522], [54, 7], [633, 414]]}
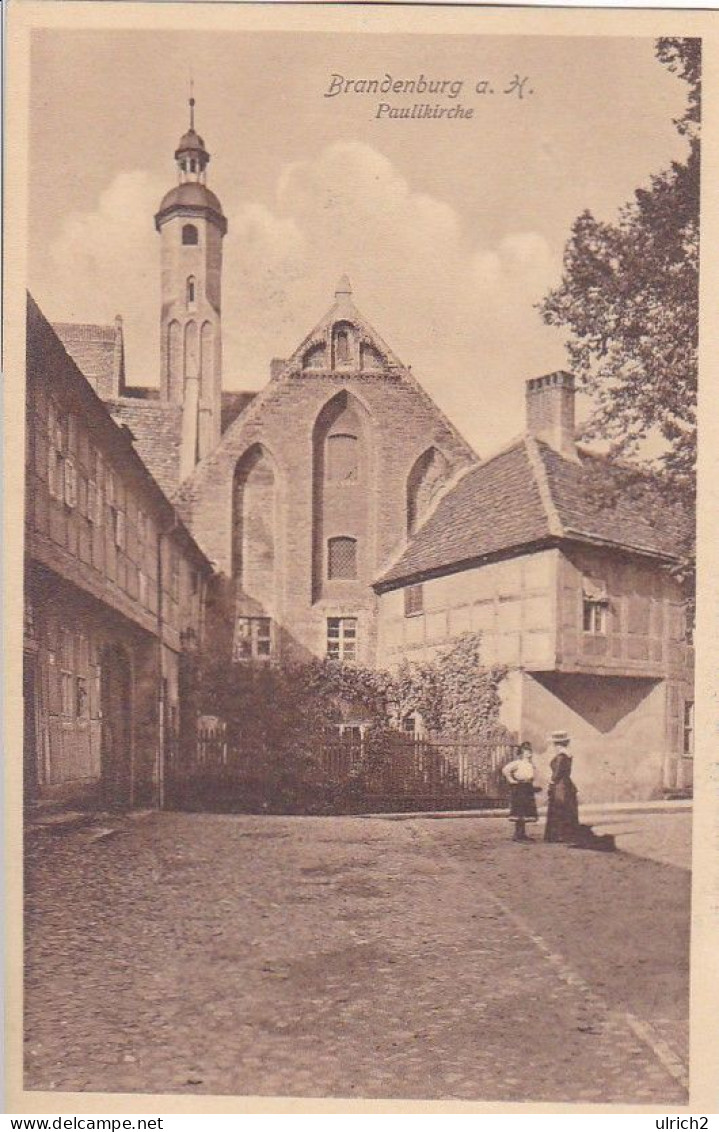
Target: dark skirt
{"points": [[562, 813], [523, 805]]}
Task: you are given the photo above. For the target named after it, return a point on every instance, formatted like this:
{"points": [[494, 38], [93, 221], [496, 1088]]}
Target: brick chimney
{"points": [[550, 411]]}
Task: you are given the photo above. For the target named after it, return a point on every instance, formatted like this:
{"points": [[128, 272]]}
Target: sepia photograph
{"points": [[360, 433]]}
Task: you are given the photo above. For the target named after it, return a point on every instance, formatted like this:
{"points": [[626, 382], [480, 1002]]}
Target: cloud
{"points": [[460, 313]]}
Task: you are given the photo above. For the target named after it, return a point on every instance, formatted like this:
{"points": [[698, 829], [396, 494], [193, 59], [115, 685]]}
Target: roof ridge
{"points": [[541, 478]]}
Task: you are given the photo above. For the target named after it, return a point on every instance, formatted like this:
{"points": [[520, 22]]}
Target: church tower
{"points": [[191, 226]]}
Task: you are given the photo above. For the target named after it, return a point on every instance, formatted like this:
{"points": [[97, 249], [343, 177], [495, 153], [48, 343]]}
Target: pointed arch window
{"points": [[342, 558], [189, 234], [191, 290], [427, 478]]}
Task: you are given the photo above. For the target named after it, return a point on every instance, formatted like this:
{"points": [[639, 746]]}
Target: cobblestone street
{"points": [[354, 957]]}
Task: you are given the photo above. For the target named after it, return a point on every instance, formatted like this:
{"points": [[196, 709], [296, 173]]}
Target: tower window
{"points": [[342, 558], [189, 234], [190, 289], [193, 165]]}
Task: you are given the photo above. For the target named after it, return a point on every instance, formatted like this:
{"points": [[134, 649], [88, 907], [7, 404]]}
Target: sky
{"points": [[451, 230]]}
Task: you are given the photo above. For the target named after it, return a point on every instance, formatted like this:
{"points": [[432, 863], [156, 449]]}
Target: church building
{"points": [[345, 516]]}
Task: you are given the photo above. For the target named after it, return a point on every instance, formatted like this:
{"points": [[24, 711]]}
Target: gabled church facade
{"points": [[346, 517], [316, 485]]}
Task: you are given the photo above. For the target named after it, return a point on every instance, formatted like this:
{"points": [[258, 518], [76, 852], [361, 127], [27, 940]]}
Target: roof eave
{"points": [[411, 578]]}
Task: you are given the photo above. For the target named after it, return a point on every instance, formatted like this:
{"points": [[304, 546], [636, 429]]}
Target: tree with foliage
{"points": [[629, 297]]}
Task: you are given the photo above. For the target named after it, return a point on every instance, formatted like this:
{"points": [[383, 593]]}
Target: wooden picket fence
{"points": [[350, 770]]}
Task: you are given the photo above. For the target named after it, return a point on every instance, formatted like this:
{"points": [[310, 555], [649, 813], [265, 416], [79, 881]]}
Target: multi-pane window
{"points": [[342, 638], [141, 531], [688, 729], [342, 458], [67, 678], [413, 600], [118, 527], [70, 482], [60, 482], [594, 616], [174, 573], [594, 607], [342, 558], [82, 706], [253, 638]]}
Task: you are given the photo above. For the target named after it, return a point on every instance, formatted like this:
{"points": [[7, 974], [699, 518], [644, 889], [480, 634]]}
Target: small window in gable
{"points": [[342, 558], [342, 346], [189, 234]]}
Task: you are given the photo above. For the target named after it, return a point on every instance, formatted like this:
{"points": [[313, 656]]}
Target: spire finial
{"points": [[344, 287], [192, 103]]}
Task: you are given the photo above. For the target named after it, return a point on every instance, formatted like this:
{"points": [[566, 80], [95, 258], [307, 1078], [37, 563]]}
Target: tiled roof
{"points": [[529, 494], [156, 427], [608, 502], [232, 405], [97, 351], [494, 506]]}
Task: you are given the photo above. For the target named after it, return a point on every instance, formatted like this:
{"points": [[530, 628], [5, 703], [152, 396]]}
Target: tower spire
{"points": [[192, 103]]}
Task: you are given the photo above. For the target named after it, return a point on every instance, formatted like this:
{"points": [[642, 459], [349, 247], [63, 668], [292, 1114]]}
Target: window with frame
{"points": [[82, 703], [57, 477], [174, 573], [595, 606], [342, 558], [342, 638], [688, 729], [67, 676], [70, 482], [141, 531], [253, 639], [413, 600], [118, 527]]}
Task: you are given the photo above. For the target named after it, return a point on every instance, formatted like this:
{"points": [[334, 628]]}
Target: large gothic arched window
{"points": [[427, 478], [254, 500], [342, 460]]}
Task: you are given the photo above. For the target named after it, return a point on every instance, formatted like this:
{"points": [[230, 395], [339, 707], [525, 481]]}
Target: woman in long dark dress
{"points": [[562, 807], [523, 806]]}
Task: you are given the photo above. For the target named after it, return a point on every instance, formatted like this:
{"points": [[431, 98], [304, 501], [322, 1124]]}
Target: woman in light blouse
{"points": [[523, 806]]}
